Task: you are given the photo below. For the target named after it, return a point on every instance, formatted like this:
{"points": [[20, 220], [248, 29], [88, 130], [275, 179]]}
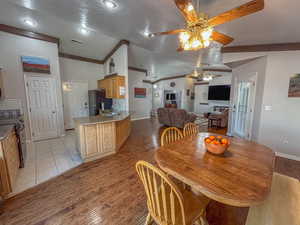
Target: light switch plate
{"points": [[268, 108]]}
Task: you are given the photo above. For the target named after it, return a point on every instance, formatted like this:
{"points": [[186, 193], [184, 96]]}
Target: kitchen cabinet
{"points": [[100, 136], [9, 162], [114, 86]]}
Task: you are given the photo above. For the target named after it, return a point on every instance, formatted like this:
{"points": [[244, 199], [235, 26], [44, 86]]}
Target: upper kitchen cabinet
{"points": [[114, 86]]}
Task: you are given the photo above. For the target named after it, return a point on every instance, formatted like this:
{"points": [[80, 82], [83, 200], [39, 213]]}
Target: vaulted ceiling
{"points": [[277, 23]]}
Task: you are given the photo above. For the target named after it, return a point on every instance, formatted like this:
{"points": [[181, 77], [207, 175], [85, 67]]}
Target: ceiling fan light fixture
{"points": [[190, 7], [196, 44], [206, 34], [206, 43], [184, 36], [207, 77]]}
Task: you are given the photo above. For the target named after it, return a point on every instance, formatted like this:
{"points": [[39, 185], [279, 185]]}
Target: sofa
{"points": [[175, 117]]}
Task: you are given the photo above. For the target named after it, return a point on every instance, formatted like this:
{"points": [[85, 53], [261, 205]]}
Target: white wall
{"points": [[243, 72], [75, 70], [140, 107], [182, 84], [121, 67], [12, 47], [201, 93], [279, 128]]}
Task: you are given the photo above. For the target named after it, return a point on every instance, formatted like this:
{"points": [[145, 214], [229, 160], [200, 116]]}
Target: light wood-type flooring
{"points": [[107, 191]]}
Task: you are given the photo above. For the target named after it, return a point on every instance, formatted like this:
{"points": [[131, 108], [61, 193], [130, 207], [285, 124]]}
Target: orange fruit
{"points": [[212, 137], [216, 142], [224, 141], [207, 140], [219, 137]]}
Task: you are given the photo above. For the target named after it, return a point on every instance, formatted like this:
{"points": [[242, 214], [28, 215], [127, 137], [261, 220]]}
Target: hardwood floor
{"points": [[107, 191]]}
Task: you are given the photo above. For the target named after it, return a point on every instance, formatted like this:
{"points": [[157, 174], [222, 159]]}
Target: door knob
{"points": [[53, 111]]}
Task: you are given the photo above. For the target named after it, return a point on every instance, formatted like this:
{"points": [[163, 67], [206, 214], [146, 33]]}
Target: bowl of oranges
{"points": [[216, 144]]}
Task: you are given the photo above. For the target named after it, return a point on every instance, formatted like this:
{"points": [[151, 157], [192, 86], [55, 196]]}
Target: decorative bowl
{"points": [[216, 145]]}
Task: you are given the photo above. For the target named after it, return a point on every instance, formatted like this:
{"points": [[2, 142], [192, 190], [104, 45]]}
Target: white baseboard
{"points": [[142, 118], [283, 155]]}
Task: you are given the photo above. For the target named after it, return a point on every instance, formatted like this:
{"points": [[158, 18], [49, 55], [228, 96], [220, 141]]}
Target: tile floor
{"points": [[47, 159]]}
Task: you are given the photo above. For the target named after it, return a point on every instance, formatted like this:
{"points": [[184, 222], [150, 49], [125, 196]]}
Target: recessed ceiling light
{"points": [[84, 31], [30, 22], [110, 4], [148, 34]]}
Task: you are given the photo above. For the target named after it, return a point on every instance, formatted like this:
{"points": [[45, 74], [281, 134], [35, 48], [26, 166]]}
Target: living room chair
{"points": [[170, 135], [190, 129], [167, 204]]}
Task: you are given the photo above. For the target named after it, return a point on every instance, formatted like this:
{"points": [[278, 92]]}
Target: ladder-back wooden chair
{"points": [[190, 129], [167, 204], [170, 135]]}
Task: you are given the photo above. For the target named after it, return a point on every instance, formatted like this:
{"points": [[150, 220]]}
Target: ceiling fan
{"points": [[199, 28], [203, 75]]}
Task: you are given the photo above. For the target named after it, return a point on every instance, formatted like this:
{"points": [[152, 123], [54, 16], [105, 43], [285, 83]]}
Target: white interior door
{"points": [[243, 108], [201, 99], [75, 98], [42, 106]]}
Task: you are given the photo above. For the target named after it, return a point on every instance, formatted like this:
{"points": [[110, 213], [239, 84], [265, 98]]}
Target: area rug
{"points": [[282, 206]]}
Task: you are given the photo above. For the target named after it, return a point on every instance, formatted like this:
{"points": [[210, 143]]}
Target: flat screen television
{"points": [[219, 92]]}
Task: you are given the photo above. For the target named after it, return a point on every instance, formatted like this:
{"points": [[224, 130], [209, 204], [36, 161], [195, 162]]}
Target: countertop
{"points": [[101, 119], [5, 130]]}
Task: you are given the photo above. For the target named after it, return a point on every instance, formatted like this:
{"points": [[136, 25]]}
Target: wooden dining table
{"points": [[241, 177]]}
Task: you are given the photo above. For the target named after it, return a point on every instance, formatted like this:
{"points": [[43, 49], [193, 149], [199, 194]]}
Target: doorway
{"points": [[243, 106], [42, 107], [75, 98]]}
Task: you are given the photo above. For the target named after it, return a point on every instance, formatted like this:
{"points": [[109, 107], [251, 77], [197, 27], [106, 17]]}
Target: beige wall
{"points": [[121, 67], [182, 84], [12, 47], [243, 72], [140, 107], [74, 70], [280, 127]]}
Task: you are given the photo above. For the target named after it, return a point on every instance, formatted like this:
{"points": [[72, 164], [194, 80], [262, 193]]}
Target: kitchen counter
{"points": [[101, 118], [5, 130], [99, 136]]}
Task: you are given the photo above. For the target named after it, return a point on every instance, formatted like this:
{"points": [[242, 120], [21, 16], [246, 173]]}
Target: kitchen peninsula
{"points": [[102, 135]]}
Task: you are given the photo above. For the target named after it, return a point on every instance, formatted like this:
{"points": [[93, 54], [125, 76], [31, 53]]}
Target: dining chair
{"points": [[170, 135], [190, 129], [167, 203]]}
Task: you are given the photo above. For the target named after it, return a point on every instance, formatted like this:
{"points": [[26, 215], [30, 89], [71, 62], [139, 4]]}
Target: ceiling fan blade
{"points": [[221, 38], [187, 9], [169, 32], [243, 10]]}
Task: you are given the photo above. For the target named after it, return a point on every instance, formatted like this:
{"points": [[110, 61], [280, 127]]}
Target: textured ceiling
{"points": [[62, 18]]}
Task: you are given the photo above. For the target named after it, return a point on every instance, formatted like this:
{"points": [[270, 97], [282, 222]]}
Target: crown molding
{"points": [[80, 58], [118, 45], [138, 69], [277, 47], [28, 34]]}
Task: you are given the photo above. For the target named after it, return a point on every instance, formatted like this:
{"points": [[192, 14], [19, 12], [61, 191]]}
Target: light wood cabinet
{"points": [[99, 136], [123, 130], [114, 86], [9, 163], [97, 140]]}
